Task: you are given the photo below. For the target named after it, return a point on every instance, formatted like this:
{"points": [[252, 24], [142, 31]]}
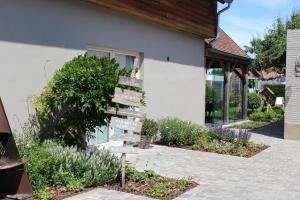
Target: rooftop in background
{"points": [[225, 44]]}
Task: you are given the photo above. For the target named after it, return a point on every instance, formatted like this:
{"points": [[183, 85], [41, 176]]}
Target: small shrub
{"points": [[223, 133], [158, 190], [51, 165], [255, 102], [257, 116], [149, 128], [179, 133], [234, 101], [279, 111]]}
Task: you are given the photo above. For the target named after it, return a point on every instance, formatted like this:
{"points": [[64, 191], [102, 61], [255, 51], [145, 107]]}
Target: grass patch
{"points": [[250, 125]]}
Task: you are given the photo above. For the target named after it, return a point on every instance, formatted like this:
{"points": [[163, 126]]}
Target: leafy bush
{"points": [[74, 101], [279, 111], [51, 165], [179, 133], [234, 101], [278, 89], [255, 102], [264, 116], [149, 128]]}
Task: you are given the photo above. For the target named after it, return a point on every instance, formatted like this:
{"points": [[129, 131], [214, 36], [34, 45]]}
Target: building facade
{"points": [[292, 91], [38, 36]]}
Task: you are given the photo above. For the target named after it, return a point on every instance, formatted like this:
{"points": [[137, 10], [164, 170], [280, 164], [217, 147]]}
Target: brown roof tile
{"points": [[226, 44]]}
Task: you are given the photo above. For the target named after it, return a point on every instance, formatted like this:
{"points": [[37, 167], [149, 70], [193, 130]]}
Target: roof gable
{"points": [[225, 44]]}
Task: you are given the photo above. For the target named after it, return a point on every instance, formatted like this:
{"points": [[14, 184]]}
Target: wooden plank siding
{"points": [[198, 17]]}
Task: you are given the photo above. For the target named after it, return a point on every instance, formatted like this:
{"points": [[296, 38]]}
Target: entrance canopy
{"points": [[226, 80]]}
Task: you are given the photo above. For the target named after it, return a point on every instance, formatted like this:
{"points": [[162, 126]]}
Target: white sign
{"points": [[126, 112], [126, 124], [127, 97], [125, 137], [122, 149], [134, 82]]}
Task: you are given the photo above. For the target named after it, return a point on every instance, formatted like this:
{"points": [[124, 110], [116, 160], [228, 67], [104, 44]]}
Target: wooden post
{"points": [[244, 92], [227, 74], [123, 166]]}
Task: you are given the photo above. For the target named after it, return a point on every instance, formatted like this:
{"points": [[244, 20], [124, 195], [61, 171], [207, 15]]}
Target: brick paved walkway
{"points": [[272, 174]]}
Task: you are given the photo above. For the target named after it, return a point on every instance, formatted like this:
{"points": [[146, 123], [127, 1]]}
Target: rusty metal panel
{"points": [[14, 183], [4, 125]]}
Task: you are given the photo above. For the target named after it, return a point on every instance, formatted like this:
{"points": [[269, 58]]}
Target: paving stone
{"points": [[272, 174]]}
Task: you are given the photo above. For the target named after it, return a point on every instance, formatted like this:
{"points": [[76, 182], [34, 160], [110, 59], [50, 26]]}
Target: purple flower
{"points": [[224, 132], [244, 134]]}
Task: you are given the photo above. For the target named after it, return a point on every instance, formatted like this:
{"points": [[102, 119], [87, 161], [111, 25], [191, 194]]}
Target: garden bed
{"points": [[221, 140], [146, 183], [251, 150], [152, 185]]}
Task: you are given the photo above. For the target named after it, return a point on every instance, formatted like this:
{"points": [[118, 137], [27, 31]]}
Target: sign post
{"points": [[131, 99]]}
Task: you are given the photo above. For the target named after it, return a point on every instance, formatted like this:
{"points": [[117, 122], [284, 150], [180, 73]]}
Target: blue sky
{"points": [[250, 18]]}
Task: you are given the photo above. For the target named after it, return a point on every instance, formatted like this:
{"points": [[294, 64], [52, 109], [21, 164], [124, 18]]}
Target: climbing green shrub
{"points": [[73, 103]]}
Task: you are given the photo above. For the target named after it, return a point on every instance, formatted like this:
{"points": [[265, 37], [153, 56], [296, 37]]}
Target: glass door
{"points": [[214, 97]]}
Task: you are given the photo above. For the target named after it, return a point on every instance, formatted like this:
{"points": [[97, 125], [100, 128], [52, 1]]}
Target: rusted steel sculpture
{"points": [[14, 183]]}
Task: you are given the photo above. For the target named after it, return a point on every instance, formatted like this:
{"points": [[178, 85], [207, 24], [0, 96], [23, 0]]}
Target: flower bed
{"points": [[218, 140], [149, 184], [57, 171]]}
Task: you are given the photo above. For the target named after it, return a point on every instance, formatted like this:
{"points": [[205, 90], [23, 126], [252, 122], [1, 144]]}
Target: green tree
{"points": [[270, 51], [75, 99]]}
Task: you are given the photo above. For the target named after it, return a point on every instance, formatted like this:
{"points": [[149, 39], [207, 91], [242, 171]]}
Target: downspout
{"points": [[229, 2]]}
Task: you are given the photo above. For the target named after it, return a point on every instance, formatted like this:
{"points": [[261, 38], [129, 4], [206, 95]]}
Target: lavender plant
{"points": [[229, 135]]}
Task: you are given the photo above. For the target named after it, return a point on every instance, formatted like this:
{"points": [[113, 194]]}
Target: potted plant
{"points": [[149, 129]]}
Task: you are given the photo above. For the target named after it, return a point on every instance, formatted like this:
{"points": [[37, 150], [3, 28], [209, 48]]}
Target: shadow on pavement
{"points": [[273, 130]]}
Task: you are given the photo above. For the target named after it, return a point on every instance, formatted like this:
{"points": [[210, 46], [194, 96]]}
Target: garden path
{"points": [[272, 174]]}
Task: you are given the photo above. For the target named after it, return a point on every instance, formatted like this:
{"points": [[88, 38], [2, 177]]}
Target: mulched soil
{"points": [[141, 188]]}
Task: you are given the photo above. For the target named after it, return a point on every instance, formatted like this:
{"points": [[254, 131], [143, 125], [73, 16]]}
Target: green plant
{"points": [[136, 176], [149, 128], [51, 165], [158, 190], [257, 116], [209, 95], [74, 101], [183, 184], [234, 101], [255, 102], [178, 132], [278, 89], [279, 111]]}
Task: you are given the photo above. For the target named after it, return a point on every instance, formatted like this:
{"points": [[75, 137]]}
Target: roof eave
{"points": [[223, 53]]}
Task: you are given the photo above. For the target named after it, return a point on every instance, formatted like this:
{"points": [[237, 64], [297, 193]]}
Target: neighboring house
{"points": [[164, 38], [257, 79], [227, 74], [292, 91]]}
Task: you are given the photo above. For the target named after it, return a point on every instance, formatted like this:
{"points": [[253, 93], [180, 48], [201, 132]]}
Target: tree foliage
{"points": [[270, 51], [72, 105]]}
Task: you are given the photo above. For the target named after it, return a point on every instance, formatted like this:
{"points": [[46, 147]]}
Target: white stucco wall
{"points": [[38, 36]]}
